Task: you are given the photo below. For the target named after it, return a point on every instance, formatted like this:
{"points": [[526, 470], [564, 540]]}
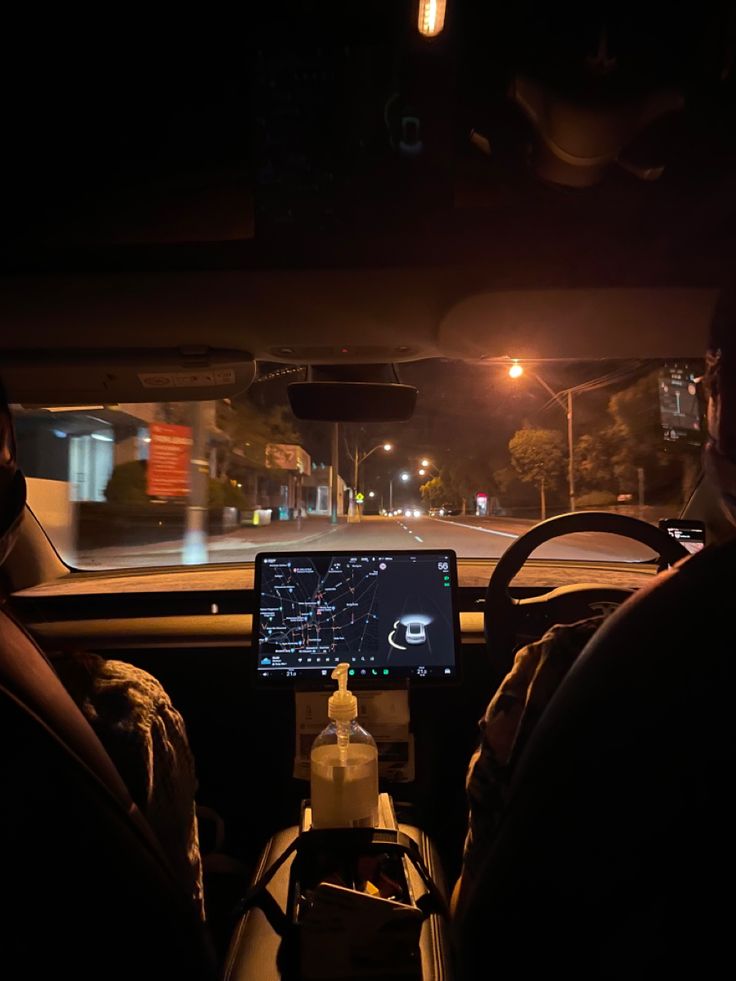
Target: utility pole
{"points": [[333, 471], [570, 451], [194, 551], [358, 458], [567, 409]]}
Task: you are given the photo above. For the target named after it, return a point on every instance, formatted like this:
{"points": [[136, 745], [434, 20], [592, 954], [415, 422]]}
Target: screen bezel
{"points": [[355, 682]]}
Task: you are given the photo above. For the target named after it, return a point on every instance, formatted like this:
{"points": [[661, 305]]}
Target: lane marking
{"points": [[488, 531], [419, 539]]}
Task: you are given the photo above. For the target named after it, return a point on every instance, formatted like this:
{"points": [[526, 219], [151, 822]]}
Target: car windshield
{"points": [[492, 448]]}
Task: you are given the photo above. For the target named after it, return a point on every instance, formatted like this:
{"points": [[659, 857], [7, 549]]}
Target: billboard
{"points": [[169, 454], [288, 456]]}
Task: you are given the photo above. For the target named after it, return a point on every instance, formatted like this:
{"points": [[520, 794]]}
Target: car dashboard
{"points": [[213, 606], [192, 629]]}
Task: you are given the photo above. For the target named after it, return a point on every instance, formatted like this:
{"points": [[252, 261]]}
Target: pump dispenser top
{"points": [[343, 705]]}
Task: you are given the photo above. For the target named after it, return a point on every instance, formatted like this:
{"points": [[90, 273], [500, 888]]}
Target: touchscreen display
{"points": [[391, 615]]}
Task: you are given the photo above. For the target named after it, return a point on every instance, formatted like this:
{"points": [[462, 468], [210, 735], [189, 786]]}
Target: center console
{"points": [[257, 953], [335, 903]]}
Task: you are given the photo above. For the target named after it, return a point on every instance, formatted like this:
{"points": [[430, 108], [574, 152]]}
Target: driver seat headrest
{"points": [[12, 482], [617, 843]]}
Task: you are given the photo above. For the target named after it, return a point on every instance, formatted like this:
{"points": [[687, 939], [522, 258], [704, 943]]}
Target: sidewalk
{"points": [[258, 537]]}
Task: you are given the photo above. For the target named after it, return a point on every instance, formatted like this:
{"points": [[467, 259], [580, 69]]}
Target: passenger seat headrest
{"points": [[12, 482], [720, 375]]}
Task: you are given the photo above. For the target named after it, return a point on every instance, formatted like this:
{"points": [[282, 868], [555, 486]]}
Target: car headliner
{"points": [[359, 316]]}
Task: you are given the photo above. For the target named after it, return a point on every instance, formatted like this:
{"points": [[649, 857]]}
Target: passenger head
{"points": [[12, 483], [720, 383]]}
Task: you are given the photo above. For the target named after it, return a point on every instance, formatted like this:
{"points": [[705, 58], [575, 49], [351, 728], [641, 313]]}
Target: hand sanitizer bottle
{"points": [[344, 765]]}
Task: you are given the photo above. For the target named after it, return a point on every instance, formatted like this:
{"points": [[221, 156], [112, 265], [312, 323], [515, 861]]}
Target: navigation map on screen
{"points": [[390, 615]]}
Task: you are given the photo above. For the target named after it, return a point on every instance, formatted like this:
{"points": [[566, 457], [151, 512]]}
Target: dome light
{"points": [[431, 17]]}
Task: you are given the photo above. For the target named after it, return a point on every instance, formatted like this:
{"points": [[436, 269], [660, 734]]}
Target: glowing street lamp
{"points": [[516, 370], [426, 467]]}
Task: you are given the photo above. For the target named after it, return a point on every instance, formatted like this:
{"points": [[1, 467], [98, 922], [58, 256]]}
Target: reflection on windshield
{"points": [[492, 448]]}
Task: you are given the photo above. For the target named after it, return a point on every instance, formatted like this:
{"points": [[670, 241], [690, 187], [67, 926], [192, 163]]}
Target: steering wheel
{"points": [[508, 622]]}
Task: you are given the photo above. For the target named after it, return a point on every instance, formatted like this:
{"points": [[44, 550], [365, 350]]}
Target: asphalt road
{"points": [[470, 537]]}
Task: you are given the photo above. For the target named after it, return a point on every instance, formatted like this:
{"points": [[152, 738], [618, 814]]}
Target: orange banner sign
{"points": [[169, 454]]}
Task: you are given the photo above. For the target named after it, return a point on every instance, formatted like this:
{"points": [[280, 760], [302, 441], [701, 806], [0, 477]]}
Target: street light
{"points": [[359, 458], [516, 370], [426, 468], [403, 477]]}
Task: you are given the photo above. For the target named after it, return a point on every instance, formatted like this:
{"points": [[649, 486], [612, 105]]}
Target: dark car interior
{"points": [[336, 193]]}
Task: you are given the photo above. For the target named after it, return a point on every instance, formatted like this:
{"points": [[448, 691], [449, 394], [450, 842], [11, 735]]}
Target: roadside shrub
{"points": [[216, 494], [596, 499], [234, 497], [127, 484]]}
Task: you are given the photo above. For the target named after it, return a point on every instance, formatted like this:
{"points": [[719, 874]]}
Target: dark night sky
{"points": [[463, 410]]}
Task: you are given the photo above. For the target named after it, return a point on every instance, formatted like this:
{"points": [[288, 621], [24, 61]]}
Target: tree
{"points": [[251, 428], [434, 492], [610, 458], [537, 455], [470, 476], [594, 466]]}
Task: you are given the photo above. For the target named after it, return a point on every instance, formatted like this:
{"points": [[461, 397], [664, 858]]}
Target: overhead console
{"points": [[393, 615]]}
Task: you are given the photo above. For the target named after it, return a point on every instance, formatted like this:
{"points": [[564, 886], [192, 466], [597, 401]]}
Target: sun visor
{"points": [[579, 323], [105, 377]]}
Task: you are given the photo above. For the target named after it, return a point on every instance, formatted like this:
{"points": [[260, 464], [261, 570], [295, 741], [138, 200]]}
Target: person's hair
{"points": [[720, 370], [723, 321], [7, 432]]}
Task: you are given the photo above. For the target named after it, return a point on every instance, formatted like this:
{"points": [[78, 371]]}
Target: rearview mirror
{"points": [[352, 393]]}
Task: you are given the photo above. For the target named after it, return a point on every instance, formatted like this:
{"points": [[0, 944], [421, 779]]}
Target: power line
{"points": [[595, 384]]}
